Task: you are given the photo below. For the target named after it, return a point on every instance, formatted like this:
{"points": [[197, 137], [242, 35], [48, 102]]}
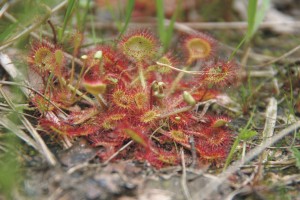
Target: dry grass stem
{"points": [[287, 54], [271, 117], [39, 141]]}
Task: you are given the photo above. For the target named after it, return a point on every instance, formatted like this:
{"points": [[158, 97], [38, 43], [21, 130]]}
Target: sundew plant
{"points": [[131, 91]]}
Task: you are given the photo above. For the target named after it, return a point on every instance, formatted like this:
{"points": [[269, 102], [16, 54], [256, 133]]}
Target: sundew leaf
{"points": [[247, 134], [136, 136]]}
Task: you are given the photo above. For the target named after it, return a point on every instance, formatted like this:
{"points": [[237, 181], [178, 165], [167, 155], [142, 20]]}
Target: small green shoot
{"points": [[9, 167], [70, 8], [296, 154], [165, 33], [82, 14], [255, 15], [245, 134], [129, 9]]}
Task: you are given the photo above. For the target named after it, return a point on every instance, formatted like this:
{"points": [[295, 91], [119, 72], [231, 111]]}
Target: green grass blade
{"points": [[256, 15], [261, 12], [10, 30], [170, 29], [160, 19], [70, 8], [83, 16], [252, 5], [296, 154], [242, 135], [129, 9]]}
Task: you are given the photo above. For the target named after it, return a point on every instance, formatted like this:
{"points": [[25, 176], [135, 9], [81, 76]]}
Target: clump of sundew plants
{"points": [[131, 91]]}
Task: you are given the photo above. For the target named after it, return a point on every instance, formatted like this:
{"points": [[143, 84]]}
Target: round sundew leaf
{"points": [[139, 45], [41, 54], [199, 48], [121, 99], [140, 100], [111, 120], [149, 116], [179, 136], [43, 58]]}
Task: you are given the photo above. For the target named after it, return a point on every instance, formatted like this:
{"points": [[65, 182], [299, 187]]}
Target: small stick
{"points": [[115, 154], [271, 116], [183, 178], [280, 57], [193, 151]]}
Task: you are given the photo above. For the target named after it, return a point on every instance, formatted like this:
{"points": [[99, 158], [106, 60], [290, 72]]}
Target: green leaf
{"points": [[9, 167], [160, 19], [136, 136], [247, 134], [165, 34], [256, 15], [10, 30], [71, 5], [170, 29], [296, 154], [129, 9]]}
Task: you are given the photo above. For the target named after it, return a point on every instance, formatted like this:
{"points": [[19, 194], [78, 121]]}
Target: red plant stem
{"points": [[141, 74], [151, 99], [53, 31]]}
